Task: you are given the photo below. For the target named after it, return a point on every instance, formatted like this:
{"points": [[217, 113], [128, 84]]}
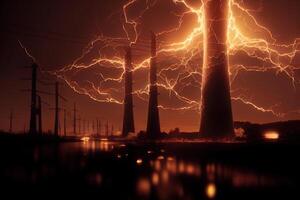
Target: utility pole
{"points": [[74, 119], [97, 127], [100, 127], [32, 126], [79, 125], [57, 125], [65, 123], [40, 114], [93, 127], [24, 128], [56, 110], [112, 130], [106, 132], [83, 126], [88, 126], [11, 121]]}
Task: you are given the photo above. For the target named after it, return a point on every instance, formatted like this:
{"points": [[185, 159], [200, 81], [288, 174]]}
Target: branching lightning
{"points": [[180, 62]]}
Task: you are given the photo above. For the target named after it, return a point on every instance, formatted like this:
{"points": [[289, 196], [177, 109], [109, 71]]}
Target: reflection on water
{"points": [[115, 169], [167, 175], [102, 145], [211, 190]]}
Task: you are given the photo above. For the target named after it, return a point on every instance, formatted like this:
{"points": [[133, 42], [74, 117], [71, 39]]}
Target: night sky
{"points": [[56, 33]]}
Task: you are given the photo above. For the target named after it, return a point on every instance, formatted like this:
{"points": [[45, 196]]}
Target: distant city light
{"points": [[271, 135], [160, 157], [85, 139], [139, 161], [211, 190]]}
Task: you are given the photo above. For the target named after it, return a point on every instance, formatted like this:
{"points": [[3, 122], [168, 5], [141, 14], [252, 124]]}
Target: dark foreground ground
{"points": [[103, 169]]}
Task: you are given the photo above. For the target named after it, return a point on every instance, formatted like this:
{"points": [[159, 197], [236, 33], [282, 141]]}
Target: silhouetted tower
{"points": [[39, 112], [33, 110], [112, 130], [153, 125], [88, 126], [56, 120], [74, 119], [11, 121], [128, 120], [65, 122], [216, 113]]}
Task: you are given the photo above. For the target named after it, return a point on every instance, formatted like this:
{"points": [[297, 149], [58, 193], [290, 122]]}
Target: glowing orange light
{"points": [[190, 169], [85, 139], [170, 158], [139, 161], [211, 190], [271, 135], [143, 186], [155, 178], [160, 157]]}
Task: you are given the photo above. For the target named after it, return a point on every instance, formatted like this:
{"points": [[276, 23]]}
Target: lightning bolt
{"points": [[245, 35]]}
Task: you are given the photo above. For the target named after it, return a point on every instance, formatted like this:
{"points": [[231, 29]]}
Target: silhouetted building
{"points": [[153, 125], [128, 119], [216, 113]]}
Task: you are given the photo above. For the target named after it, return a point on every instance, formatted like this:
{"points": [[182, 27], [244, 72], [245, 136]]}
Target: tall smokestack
{"points": [[216, 113], [128, 120], [33, 110], [153, 125]]}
